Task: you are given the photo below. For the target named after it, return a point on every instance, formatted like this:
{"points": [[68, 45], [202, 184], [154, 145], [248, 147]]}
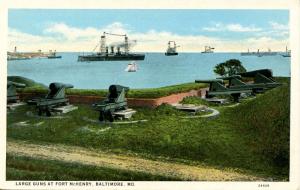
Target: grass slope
{"points": [[265, 122], [26, 81], [25, 168], [33, 87], [253, 136]]}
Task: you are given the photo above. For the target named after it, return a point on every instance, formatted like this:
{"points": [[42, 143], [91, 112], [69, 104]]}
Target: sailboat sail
{"points": [[132, 67]]}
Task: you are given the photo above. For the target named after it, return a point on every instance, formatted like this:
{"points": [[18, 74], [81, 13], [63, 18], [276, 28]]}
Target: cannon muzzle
{"points": [[117, 88], [56, 85]]}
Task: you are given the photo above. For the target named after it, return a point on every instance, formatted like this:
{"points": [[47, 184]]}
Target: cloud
{"points": [[278, 26], [62, 37], [266, 42], [276, 30], [70, 33], [217, 27], [231, 28], [240, 28]]}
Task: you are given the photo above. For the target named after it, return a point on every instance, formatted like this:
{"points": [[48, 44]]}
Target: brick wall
{"points": [[135, 102]]}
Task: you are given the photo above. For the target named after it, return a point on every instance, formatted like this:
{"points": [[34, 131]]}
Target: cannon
{"points": [[54, 98], [12, 96], [263, 80], [115, 101], [217, 87], [234, 80], [265, 72]]}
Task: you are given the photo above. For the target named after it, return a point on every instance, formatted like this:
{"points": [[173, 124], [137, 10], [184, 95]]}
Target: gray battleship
{"points": [[115, 53], [259, 53]]}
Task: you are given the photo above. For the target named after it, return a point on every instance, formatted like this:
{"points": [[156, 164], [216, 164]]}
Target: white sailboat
{"points": [[132, 67]]}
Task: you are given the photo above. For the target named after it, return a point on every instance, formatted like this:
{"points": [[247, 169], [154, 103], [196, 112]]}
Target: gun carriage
{"points": [[12, 96], [263, 80], [54, 98], [114, 102]]}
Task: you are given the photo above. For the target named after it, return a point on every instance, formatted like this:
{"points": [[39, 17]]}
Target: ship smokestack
{"points": [[112, 49], [102, 44], [126, 45]]}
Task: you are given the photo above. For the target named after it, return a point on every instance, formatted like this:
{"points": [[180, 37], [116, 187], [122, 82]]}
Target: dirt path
{"points": [[85, 156]]}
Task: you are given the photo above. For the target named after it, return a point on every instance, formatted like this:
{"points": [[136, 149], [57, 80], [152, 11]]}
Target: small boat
{"points": [[53, 56], [132, 67], [10, 58], [171, 49], [287, 53], [208, 49]]}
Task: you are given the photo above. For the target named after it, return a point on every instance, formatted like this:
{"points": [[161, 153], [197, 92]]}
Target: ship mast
{"points": [[175, 47], [172, 48]]}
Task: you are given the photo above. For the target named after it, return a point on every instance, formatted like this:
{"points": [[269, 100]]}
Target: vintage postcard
{"points": [[150, 95]]}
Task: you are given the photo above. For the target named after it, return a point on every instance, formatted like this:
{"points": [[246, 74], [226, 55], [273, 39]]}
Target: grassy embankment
{"points": [[133, 93], [252, 137], [26, 168]]}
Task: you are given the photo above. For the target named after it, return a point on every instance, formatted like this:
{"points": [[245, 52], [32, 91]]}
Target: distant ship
{"points": [[171, 49], [53, 55], [15, 55], [208, 49], [248, 53], [287, 53], [259, 53], [266, 53], [118, 55]]}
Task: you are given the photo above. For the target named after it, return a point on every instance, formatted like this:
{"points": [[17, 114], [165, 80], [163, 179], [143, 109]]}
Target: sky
{"points": [[68, 30]]}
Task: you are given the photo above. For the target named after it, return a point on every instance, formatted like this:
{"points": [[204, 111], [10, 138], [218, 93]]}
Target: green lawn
{"points": [[33, 87], [25, 168], [253, 136]]}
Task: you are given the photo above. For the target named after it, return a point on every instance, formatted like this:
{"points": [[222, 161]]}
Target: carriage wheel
{"points": [[40, 112], [236, 97], [101, 116], [110, 116], [48, 113]]}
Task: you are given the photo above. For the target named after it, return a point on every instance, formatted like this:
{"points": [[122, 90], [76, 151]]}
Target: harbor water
{"points": [[156, 70]]}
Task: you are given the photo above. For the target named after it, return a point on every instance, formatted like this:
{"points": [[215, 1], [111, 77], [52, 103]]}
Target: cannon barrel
{"points": [[266, 72], [230, 77], [18, 85], [57, 85], [117, 88], [208, 81]]}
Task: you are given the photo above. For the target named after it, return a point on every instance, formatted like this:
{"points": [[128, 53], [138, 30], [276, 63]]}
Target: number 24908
{"points": [[263, 185]]}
